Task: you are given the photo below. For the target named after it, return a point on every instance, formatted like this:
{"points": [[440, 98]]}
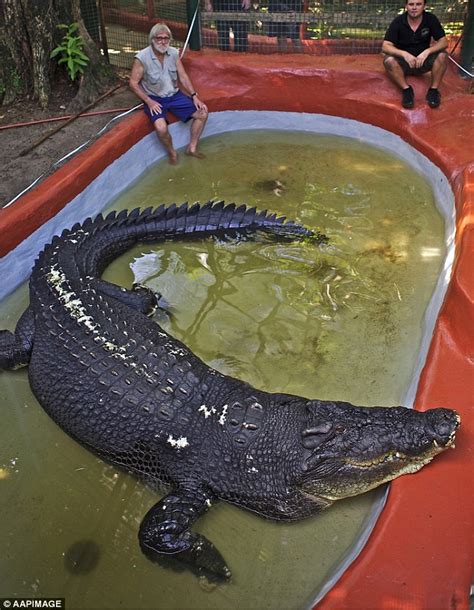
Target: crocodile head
{"points": [[349, 450]]}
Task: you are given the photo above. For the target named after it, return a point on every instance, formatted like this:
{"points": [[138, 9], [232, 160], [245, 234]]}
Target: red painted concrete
{"points": [[421, 553], [42, 203]]}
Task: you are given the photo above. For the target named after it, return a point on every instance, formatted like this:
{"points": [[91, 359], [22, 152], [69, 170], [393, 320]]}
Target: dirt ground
{"points": [[21, 162]]}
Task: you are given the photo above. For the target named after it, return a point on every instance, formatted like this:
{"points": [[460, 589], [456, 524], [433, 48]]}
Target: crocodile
{"points": [[116, 382]]}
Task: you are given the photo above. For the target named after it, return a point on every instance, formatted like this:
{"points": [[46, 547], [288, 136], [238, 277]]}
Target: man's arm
{"points": [[136, 76], [439, 45], [185, 81], [390, 49]]}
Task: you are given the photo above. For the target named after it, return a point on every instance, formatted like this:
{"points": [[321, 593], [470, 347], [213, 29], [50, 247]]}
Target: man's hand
{"points": [[246, 4], [410, 59], [421, 58], [208, 5], [154, 107], [199, 104]]}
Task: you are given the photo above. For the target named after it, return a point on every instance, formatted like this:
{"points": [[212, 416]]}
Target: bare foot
{"points": [[195, 153], [173, 158]]}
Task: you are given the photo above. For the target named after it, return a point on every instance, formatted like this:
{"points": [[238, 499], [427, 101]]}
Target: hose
{"points": [[61, 118]]}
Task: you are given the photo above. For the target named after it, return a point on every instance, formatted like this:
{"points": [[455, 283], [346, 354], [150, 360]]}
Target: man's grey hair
{"points": [[159, 28]]}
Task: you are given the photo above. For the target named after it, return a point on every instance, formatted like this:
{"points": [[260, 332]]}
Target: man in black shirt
{"points": [[408, 51]]}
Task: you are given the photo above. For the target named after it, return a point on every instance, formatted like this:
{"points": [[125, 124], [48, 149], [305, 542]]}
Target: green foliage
{"points": [[15, 80], [70, 51]]}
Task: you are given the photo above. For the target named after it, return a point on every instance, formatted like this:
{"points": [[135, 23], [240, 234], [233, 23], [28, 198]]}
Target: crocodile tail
{"points": [[89, 246], [211, 218]]}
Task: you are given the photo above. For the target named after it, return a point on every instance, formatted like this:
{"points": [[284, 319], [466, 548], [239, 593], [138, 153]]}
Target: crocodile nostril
{"points": [[443, 431]]}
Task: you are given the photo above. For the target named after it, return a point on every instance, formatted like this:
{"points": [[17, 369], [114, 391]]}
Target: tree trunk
{"points": [[40, 29], [28, 34], [16, 75], [98, 75]]}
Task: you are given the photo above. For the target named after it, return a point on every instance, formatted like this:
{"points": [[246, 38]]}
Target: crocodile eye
{"points": [[314, 436], [339, 428], [322, 428]]}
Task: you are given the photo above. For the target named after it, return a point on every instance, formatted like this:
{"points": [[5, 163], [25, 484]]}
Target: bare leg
{"points": [[395, 72], [164, 136], [197, 125], [438, 70]]}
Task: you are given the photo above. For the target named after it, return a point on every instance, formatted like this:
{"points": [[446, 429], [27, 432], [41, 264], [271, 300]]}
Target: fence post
{"points": [[103, 32], [150, 12], [195, 35], [467, 49]]}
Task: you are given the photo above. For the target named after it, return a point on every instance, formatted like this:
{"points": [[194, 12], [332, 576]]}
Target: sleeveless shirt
{"points": [[159, 80]]}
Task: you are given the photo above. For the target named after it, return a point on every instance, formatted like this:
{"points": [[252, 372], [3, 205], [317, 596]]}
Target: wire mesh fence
{"points": [[319, 27]]}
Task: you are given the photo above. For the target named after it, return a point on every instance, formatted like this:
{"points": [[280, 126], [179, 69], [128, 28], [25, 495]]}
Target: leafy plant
{"points": [[70, 51]]}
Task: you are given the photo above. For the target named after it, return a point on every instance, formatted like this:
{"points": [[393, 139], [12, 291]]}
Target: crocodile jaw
{"points": [[355, 477]]}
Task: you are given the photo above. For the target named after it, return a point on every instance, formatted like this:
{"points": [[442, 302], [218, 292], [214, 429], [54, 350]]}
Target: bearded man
{"points": [[158, 78]]}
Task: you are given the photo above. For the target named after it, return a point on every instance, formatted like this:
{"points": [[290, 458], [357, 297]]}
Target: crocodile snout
{"points": [[443, 424]]}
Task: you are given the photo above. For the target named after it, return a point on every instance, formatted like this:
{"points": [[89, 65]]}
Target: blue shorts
{"points": [[179, 104]]}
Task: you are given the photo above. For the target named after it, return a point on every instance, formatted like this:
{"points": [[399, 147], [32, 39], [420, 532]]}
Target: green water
{"points": [[340, 321]]}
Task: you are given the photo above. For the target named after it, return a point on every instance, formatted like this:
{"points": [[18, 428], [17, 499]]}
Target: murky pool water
{"points": [[341, 321]]}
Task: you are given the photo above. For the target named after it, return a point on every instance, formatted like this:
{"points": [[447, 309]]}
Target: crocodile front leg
{"points": [[140, 297], [165, 537], [15, 348]]}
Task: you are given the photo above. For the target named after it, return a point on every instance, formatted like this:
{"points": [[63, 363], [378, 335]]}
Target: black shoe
{"points": [[408, 98], [433, 97]]}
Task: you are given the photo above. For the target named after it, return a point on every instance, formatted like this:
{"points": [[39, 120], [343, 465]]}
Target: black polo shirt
{"points": [[403, 37]]}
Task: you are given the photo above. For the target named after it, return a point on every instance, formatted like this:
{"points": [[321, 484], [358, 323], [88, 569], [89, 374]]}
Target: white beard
{"points": [[160, 48]]}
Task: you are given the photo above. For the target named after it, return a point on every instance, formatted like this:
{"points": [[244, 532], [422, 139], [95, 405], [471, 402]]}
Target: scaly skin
{"points": [[120, 385]]}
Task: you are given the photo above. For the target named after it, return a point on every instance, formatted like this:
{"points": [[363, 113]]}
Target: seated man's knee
{"points": [[201, 114], [442, 58], [160, 127], [390, 62]]}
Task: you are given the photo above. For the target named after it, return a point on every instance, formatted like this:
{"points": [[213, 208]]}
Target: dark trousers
{"points": [[240, 28]]}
